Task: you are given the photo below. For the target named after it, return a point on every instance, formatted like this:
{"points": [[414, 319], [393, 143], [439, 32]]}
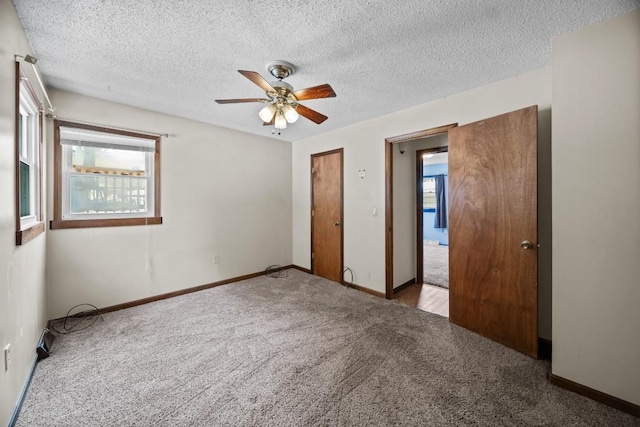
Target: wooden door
{"points": [[493, 212], [326, 215]]}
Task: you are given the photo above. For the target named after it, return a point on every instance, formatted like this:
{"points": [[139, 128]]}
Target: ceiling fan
{"points": [[282, 101]]}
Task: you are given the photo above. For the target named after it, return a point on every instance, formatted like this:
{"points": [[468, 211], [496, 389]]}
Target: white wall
{"points": [[223, 192], [22, 268], [404, 207], [596, 291], [363, 144]]}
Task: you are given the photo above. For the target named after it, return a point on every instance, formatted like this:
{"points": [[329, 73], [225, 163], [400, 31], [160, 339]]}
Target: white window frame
{"points": [[29, 153], [28, 137], [104, 140]]}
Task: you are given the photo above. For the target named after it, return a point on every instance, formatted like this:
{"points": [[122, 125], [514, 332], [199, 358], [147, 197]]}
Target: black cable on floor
{"points": [[344, 282], [86, 318], [276, 272]]}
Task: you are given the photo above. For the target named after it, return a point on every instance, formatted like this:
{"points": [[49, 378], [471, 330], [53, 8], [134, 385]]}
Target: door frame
{"points": [[388, 162], [311, 254], [419, 207]]}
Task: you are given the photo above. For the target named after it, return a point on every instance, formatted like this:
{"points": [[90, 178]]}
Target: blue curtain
{"points": [[440, 220]]}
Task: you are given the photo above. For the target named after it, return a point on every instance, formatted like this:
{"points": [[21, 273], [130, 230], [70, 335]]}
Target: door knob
{"points": [[336, 223], [526, 244]]}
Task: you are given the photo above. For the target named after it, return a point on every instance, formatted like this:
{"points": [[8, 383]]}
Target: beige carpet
{"points": [[293, 351], [435, 268]]}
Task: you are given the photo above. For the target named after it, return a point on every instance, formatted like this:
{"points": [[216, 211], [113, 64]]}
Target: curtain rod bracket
{"points": [[32, 60]]}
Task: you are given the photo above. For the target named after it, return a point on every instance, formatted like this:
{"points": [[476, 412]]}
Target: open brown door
{"points": [[326, 215], [493, 228]]}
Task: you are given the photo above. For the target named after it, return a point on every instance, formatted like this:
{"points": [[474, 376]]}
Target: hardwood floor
{"points": [[409, 295], [425, 297]]}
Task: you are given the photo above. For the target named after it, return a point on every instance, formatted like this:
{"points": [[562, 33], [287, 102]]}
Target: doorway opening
{"points": [[432, 230], [404, 200]]}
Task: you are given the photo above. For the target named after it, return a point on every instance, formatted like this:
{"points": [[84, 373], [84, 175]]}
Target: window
{"points": [[105, 177], [29, 221], [429, 194]]}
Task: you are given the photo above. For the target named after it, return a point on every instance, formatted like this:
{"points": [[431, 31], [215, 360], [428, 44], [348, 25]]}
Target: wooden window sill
{"points": [[23, 236], [57, 224]]}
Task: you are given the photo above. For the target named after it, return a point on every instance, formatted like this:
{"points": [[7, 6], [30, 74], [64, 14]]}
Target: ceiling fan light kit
{"points": [[282, 101], [290, 113], [280, 122], [267, 113]]}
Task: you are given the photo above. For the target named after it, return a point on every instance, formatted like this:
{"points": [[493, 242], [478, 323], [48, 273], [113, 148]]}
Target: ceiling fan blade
{"points": [[310, 114], [257, 79], [235, 101], [322, 91]]}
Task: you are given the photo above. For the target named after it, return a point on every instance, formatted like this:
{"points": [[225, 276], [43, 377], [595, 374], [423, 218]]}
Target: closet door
{"points": [[326, 214]]}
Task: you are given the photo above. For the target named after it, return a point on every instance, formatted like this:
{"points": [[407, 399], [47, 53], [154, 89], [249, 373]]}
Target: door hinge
{"points": [[313, 255], [312, 212]]}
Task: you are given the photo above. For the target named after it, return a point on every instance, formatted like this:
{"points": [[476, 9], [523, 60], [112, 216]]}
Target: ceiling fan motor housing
{"points": [[283, 88], [281, 69]]}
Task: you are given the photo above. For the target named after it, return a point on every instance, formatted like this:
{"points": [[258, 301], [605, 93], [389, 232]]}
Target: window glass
{"points": [[107, 194], [25, 190], [108, 160], [107, 180], [429, 193]]}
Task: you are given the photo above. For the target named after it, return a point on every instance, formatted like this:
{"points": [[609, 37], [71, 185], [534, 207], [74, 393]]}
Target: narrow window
{"points": [[29, 217], [429, 194], [105, 177]]}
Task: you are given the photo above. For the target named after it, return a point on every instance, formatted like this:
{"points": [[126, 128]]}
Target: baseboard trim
{"points": [[367, 290], [187, 290], [306, 270], [596, 395], [348, 284], [404, 285], [23, 393], [544, 349]]}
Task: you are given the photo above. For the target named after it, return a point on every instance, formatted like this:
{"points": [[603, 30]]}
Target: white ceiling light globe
{"points": [[266, 114], [290, 113], [281, 121]]}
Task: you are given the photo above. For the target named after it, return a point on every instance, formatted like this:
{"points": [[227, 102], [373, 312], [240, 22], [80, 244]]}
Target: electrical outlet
{"points": [[7, 356], [216, 259]]}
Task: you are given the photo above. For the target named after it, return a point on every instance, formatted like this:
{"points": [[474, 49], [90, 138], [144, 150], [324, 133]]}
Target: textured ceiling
{"points": [[379, 56]]}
